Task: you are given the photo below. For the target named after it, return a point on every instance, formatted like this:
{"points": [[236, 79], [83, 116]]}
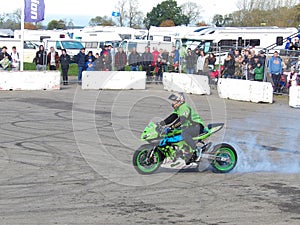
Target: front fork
{"points": [[150, 154]]}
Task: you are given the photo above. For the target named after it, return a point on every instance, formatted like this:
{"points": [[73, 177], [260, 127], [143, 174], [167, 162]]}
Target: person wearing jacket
{"points": [[81, 59], [53, 59], [120, 60], [64, 63], [190, 122], [229, 67], [134, 60], [147, 59], [190, 62], [41, 58], [275, 70], [5, 59], [259, 72]]}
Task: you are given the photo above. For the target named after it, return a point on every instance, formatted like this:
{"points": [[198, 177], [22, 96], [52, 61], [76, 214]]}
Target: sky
{"points": [[82, 11]]}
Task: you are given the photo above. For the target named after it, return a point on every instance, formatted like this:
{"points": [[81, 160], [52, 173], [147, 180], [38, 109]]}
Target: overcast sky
{"points": [[82, 11]]}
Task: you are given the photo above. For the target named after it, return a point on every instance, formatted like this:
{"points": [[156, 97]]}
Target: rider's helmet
{"points": [[177, 99]]}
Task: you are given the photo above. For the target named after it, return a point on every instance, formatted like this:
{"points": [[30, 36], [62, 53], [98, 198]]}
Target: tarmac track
{"points": [[65, 158]]}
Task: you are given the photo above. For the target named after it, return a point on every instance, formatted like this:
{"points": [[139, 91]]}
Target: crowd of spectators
{"points": [[244, 63]]}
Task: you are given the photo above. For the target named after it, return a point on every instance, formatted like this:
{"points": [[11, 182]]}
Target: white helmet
{"points": [[178, 99]]}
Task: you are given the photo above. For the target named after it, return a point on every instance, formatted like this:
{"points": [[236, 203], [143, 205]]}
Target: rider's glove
{"points": [[167, 129]]}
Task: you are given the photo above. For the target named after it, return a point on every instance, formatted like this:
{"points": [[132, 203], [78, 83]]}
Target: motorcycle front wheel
{"points": [[144, 164], [225, 158]]}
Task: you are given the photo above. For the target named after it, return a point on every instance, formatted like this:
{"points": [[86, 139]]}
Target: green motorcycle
{"points": [[168, 149]]}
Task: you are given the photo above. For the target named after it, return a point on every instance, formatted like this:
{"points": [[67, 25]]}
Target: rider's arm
{"points": [[177, 123], [185, 114], [170, 119]]}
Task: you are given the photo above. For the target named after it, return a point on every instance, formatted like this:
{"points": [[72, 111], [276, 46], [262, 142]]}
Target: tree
{"points": [[122, 10], [267, 12], [11, 20], [167, 10], [167, 23], [192, 11], [101, 21], [70, 24], [134, 16], [56, 24], [29, 26]]}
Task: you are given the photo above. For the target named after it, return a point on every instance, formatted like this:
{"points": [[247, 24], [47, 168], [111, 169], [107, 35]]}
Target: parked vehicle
{"points": [[220, 40], [71, 46]]}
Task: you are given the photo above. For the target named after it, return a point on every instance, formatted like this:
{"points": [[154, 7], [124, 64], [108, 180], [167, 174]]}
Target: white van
{"points": [[72, 46]]}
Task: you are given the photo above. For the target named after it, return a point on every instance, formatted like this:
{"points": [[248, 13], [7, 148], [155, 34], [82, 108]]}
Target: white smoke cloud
{"points": [[254, 157]]}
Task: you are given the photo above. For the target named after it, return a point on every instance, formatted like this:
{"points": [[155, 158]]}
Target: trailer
{"points": [[220, 40], [238, 37]]}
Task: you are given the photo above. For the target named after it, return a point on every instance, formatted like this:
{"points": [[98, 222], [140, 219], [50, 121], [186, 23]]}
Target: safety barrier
{"points": [[245, 90], [117, 80], [187, 83], [29, 80], [294, 96]]}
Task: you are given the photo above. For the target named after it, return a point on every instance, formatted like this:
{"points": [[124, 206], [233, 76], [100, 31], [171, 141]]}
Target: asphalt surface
{"points": [[66, 158]]}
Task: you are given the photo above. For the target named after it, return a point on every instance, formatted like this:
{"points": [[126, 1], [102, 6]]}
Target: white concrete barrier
{"points": [[187, 83], [30, 80], [245, 90], [116, 80], [234, 89], [294, 96]]}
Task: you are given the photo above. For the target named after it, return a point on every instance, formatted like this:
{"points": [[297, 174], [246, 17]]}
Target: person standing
{"points": [[90, 65], [97, 62], [211, 61], [105, 62], [229, 67], [155, 55], [275, 70], [120, 60], [134, 60], [5, 59], [41, 58], [190, 62], [15, 59], [64, 62], [259, 72], [147, 59], [200, 63], [53, 59], [81, 59]]}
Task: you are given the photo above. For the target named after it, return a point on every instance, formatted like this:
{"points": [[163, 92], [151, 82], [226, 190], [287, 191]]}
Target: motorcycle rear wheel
{"points": [[225, 158], [144, 165]]}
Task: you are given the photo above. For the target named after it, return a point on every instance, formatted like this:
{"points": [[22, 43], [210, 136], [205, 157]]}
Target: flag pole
{"points": [[22, 36]]}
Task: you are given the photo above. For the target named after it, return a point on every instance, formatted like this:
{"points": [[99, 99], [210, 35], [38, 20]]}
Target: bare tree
{"points": [[134, 16], [121, 7], [249, 5], [192, 11], [266, 12], [70, 24]]}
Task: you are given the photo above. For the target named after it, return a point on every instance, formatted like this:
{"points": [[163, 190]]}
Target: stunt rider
{"points": [[191, 123]]}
